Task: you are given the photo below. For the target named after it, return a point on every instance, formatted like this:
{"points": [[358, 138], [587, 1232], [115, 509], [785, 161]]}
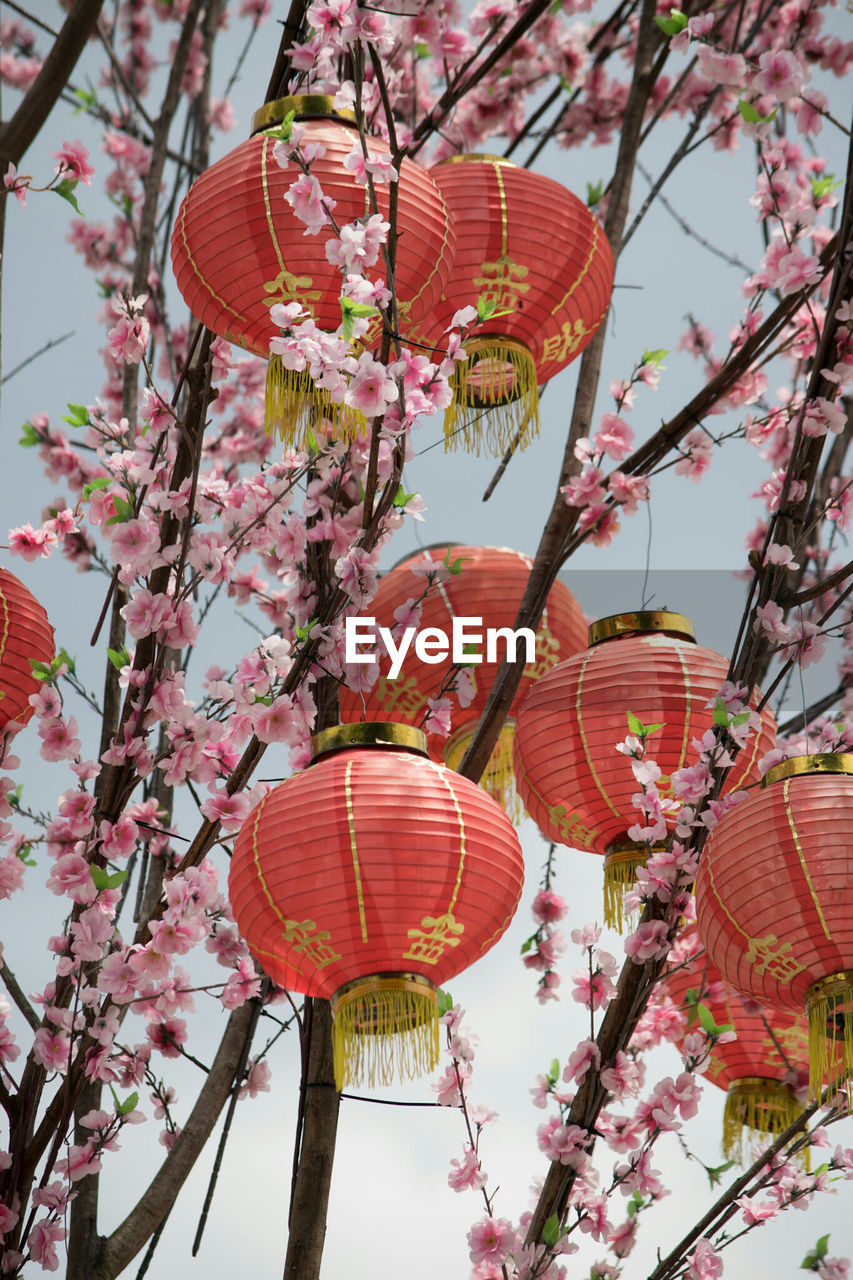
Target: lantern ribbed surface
{"points": [[531, 247], [774, 902], [759, 1069], [24, 633], [238, 248], [574, 783], [375, 864], [489, 588]]}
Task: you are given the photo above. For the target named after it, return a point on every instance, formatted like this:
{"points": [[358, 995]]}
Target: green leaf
{"points": [[77, 416], [456, 567], [655, 357], [102, 482], [554, 1071], [594, 192], [636, 726], [706, 1019], [351, 311], [124, 511], [40, 670], [813, 1257], [751, 116], [445, 1001], [527, 944], [635, 1204], [402, 499], [740, 719], [721, 715], [421, 51], [119, 657], [24, 855], [104, 879], [487, 309], [29, 435], [676, 22], [63, 658], [285, 129], [129, 1104], [87, 99], [823, 186], [653, 728], [65, 188], [302, 633], [551, 1229], [715, 1174]]}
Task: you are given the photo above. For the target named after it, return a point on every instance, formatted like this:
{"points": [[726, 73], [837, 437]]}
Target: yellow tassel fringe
{"points": [[830, 1007], [621, 862], [498, 779], [757, 1110], [295, 406], [495, 398], [385, 1028]]}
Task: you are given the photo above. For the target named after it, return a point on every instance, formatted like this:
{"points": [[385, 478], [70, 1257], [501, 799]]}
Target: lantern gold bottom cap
{"points": [[385, 1027], [622, 860], [757, 1110]]}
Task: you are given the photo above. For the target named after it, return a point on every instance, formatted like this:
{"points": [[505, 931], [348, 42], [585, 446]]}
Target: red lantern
{"points": [[487, 590], [238, 248], [25, 633], [370, 879], [758, 1071], [574, 783], [774, 901], [535, 254]]}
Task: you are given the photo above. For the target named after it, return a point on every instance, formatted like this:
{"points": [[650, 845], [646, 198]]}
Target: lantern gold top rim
{"points": [[759, 1084], [450, 545], [373, 981], [368, 733], [829, 985], [469, 156], [826, 762], [645, 621], [308, 105]]}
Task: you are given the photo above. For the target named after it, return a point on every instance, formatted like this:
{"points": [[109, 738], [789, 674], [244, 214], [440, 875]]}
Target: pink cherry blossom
{"points": [[490, 1240]]}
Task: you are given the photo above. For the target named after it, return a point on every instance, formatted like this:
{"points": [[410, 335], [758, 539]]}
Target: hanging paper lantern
{"points": [[759, 1070], [573, 782], [370, 879], [238, 248], [774, 901], [486, 592], [535, 254], [25, 633]]}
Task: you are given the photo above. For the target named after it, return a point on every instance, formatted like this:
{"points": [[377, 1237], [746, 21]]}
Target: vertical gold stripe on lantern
{"points": [[270, 224], [596, 232], [4, 635], [502, 197], [444, 774], [354, 847], [191, 260], [795, 836], [685, 737], [590, 764]]}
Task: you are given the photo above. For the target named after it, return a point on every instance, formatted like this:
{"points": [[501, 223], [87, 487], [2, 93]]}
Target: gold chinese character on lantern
{"points": [[310, 942], [401, 696], [573, 830], [435, 935], [769, 955], [547, 655], [502, 282], [563, 344]]}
